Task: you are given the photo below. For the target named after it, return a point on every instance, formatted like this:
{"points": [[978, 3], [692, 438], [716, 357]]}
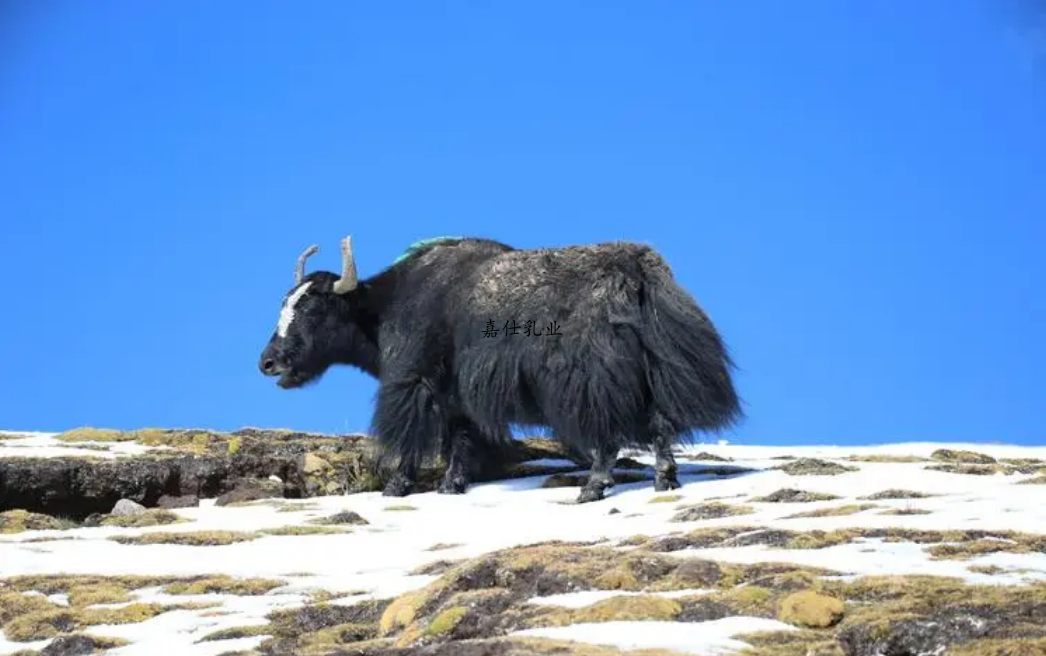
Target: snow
{"points": [[374, 561]]}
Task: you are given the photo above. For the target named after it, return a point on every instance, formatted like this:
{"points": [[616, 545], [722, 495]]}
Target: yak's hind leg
{"points": [[600, 476], [663, 435], [457, 448]]}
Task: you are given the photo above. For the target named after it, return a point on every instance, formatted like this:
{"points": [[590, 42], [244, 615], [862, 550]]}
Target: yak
{"points": [[468, 336]]}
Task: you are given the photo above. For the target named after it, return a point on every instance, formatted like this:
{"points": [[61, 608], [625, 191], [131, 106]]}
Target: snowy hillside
{"points": [[914, 548]]}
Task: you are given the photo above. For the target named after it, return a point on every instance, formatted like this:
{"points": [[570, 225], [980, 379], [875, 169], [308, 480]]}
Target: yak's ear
{"points": [[348, 280]]}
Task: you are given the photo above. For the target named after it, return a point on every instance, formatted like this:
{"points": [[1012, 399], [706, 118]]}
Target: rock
{"points": [[204, 465], [126, 508], [815, 467], [171, 503], [920, 635], [961, 456], [72, 645], [791, 495], [345, 517], [250, 489], [614, 511], [811, 609], [313, 464], [706, 456]]}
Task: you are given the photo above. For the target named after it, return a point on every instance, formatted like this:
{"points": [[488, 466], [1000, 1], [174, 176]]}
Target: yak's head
{"points": [[317, 326]]}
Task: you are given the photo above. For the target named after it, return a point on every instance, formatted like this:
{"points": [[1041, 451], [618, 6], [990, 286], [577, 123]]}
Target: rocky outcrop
{"points": [[246, 464]]}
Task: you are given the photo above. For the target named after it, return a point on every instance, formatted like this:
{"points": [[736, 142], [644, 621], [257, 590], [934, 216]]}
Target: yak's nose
{"points": [[269, 363], [268, 366]]}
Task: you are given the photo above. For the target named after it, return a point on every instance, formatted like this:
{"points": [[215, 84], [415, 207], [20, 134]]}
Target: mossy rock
{"points": [[815, 467], [895, 493], [19, 521], [710, 510], [962, 456], [811, 609], [792, 495], [151, 517]]}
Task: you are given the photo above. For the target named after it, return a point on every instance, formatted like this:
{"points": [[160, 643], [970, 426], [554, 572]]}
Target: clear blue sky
{"points": [[854, 191]]}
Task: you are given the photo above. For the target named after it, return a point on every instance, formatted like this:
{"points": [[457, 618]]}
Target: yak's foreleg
{"points": [[408, 419], [600, 476], [456, 453], [665, 469]]}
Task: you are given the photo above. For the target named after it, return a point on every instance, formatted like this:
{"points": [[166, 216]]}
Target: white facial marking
{"points": [[287, 311]]}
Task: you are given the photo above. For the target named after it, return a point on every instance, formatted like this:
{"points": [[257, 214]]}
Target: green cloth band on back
{"points": [[421, 244]]}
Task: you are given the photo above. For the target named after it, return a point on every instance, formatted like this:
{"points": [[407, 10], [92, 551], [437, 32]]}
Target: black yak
{"points": [[469, 336]]}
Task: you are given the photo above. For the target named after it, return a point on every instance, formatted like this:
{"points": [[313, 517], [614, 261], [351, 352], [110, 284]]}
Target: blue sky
{"points": [[854, 192]]}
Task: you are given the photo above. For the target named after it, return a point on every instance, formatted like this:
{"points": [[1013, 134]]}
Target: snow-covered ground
{"points": [[374, 561]]}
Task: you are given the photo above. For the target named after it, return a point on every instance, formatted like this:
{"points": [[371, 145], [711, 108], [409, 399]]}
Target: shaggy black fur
{"points": [[636, 362]]}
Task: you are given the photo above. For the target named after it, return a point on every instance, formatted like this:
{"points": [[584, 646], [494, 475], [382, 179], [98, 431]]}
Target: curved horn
{"points": [[348, 280], [299, 270]]}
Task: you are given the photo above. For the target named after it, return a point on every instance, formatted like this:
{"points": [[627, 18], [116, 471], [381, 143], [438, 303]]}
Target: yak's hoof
{"points": [[398, 486], [453, 486], [665, 482], [590, 493]]}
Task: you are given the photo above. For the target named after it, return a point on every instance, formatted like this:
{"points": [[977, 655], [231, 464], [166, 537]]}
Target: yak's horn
{"points": [[348, 279], [299, 270]]}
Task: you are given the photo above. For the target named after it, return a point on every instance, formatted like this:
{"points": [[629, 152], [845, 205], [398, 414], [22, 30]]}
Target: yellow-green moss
{"points": [[223, 585], [446, 621], [19, 521], [192, 539], [1001, 647], [895, 493], [401, 612], [90, 434], [44, 624], [666, 498], [626, 608], [303, 530], [99, 593], [151, 517], [906, 511], [400, 508], [835, 511], [811, 609]]}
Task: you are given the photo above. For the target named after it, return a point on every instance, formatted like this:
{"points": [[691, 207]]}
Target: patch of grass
{"points": [[815, 467], [235, 632], [1037, 480], [446, 621], [974, 548], [400, 508], [90, 434], [666, 498], [990, 570], [710, 510], [895, 493], [192, 538], [19, 521], [906, 511], [151, 517], [303, 530], [886, 458], [442, 546], [792, 495], [835, 511], [43, 624], [241, 587]]}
